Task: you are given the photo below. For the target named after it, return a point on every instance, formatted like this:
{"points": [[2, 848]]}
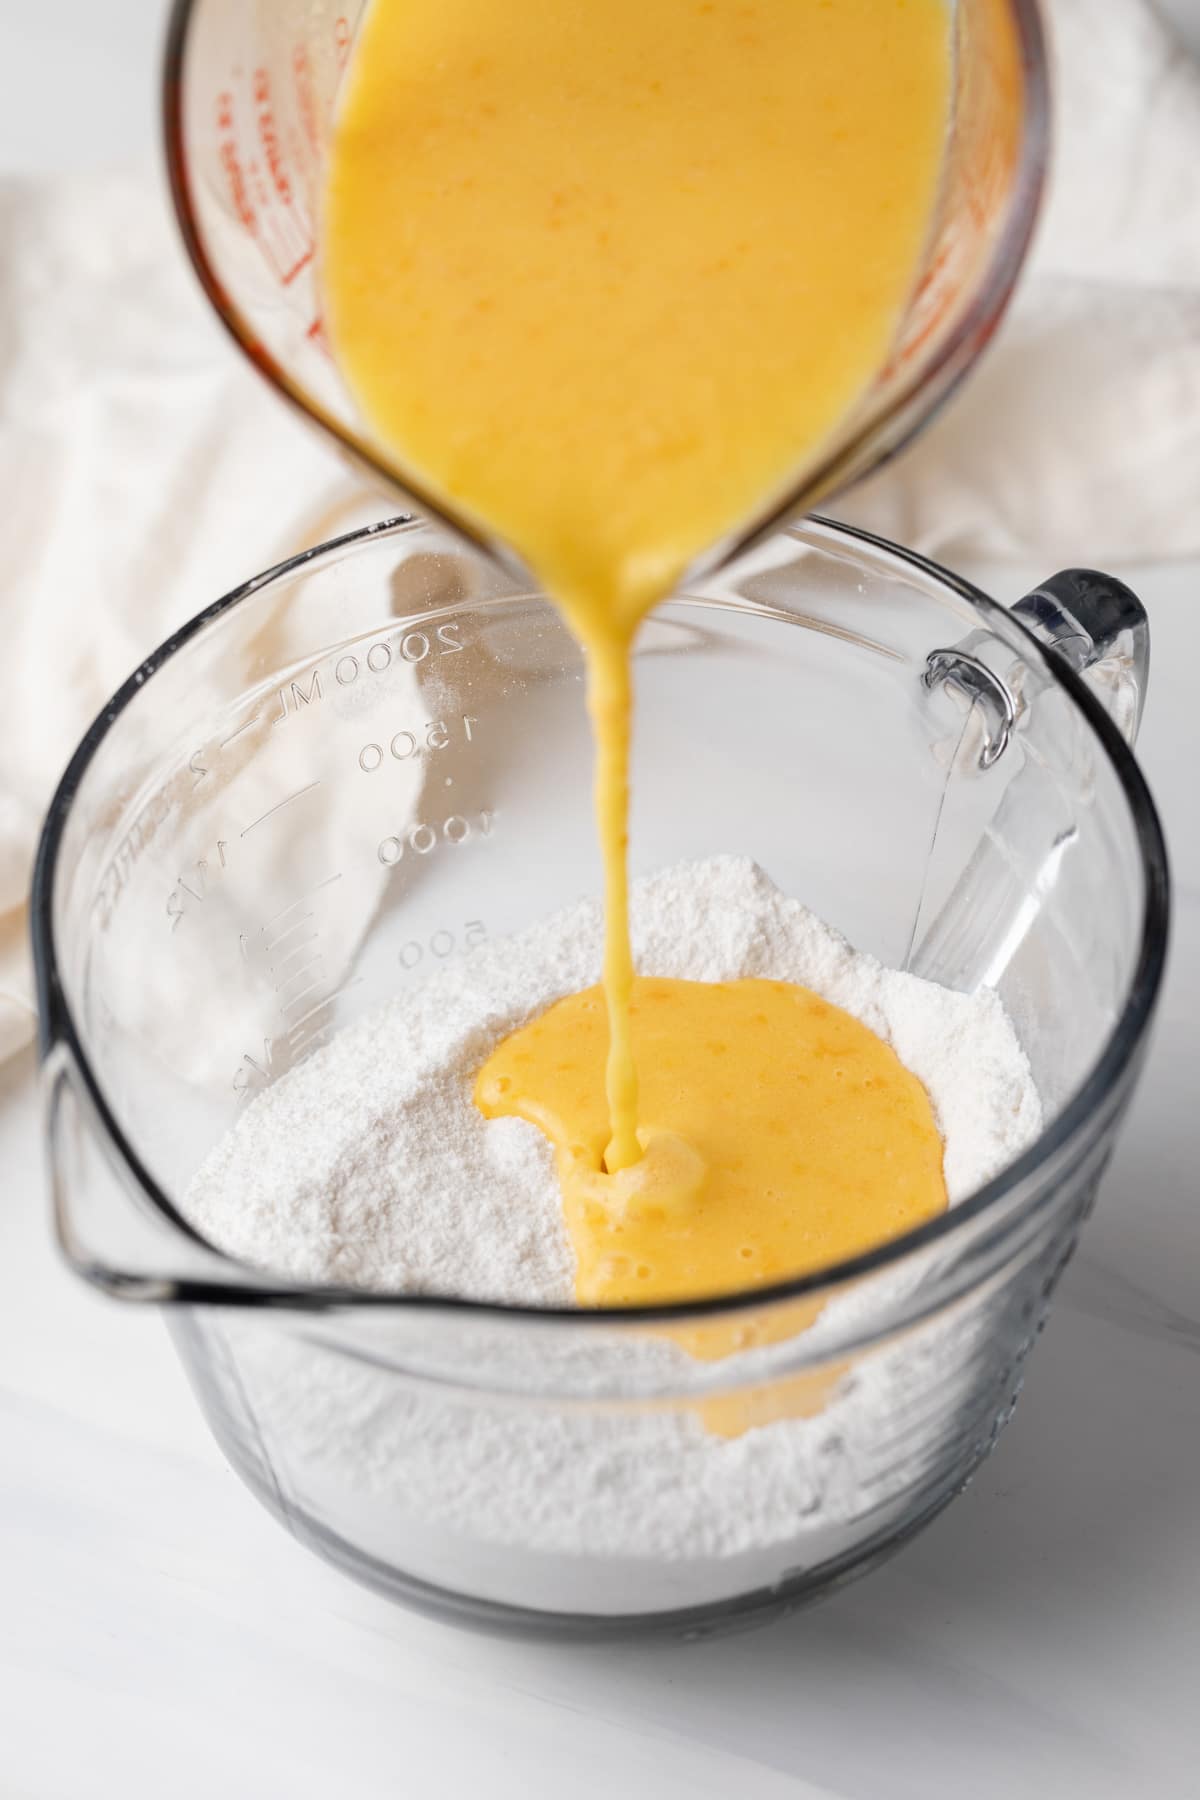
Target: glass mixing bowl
{"points": [[366, 761]]}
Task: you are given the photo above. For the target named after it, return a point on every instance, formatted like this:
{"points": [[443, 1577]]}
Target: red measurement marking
{"points": [[231, 162], [296, 267], [268, 137], [316, 332], [255, 181], [261, 190], [302, 72], [341, 36], [934, 296], [286, 246]]}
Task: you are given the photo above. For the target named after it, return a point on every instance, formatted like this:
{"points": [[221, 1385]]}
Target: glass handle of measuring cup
{"points": [[1098, 626], [970, 927]]}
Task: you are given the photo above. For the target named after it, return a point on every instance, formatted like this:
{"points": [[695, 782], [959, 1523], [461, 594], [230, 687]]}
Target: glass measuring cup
{"points": [[249, 96], [349, 772]]}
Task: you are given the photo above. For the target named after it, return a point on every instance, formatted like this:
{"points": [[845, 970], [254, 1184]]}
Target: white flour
{"points": [[370, 1165]]}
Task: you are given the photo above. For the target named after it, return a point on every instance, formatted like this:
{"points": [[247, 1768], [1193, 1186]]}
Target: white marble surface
{"points": [[159, 1635]]}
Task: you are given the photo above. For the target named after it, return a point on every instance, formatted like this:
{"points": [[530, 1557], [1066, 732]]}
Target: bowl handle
{"points": [[1100, 627], [967, 938]]}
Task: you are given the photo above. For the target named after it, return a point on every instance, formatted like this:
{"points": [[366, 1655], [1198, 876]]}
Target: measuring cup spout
{"points": [[106, 1232]]}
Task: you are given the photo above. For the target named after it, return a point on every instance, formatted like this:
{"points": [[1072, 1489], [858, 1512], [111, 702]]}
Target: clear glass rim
{"points": [[909, 407], [1069, 1132]]}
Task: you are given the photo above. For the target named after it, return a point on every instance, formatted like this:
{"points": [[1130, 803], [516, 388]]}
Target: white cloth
{"points": [[145, 469], [1077, 438]]}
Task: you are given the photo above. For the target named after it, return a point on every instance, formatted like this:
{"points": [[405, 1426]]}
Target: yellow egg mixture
{"points": [[604, 276], [783, 1134]]}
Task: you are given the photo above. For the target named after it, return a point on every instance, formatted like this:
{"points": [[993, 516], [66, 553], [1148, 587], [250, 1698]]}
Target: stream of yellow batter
{"points": [[604, 276]]}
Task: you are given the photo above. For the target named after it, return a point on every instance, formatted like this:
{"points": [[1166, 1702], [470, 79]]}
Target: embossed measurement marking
{"points": [[253, 1073], [401, 645], [279, 806], [293, 904], [241, 731], [298, 949], [422, 838], [296, 972], [304, 919], [441, 944], [430, 735], [295, 696], [309, 689], [133, 845], [195, 885], [328, 1001], [305, 973], [303, 1033]]}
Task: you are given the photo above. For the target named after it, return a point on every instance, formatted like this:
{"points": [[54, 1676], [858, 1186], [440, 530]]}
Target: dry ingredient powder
{"points": [[369, 1165]]}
